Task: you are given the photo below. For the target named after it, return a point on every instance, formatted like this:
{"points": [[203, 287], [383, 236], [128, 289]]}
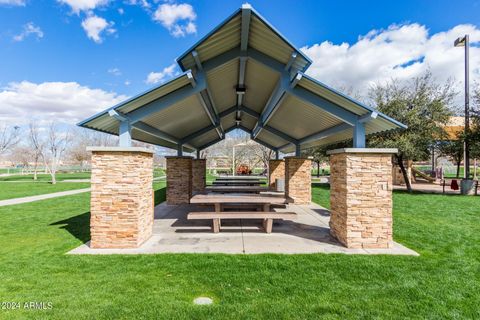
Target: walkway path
{"points": [[41, 197]]}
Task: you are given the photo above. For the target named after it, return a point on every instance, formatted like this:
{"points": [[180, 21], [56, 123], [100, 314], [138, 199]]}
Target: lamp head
{"points": [[460, 42]]}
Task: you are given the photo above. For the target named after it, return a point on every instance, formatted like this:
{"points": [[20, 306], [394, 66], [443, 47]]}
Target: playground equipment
{"points": [[243, 169], [423, 175]]}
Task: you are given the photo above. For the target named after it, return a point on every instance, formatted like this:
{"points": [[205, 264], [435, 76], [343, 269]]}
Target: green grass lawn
{"points": [[10, 190], [47, 177], [444, 282]]}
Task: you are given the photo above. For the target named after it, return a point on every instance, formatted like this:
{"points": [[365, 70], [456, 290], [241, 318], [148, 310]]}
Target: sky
{"points": [[65, 60]]}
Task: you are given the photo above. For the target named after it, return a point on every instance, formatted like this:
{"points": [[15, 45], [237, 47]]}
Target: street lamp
{"points": [[464, 42]]}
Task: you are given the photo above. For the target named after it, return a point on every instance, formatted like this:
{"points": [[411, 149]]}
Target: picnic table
{"points": [[218, 200], [236, 189], [238, 178], [237, 182]]}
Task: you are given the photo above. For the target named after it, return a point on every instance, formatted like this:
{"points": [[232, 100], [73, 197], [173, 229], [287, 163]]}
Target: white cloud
{"points": [[67, 102], [114, 71], [13, 2], [94, 26], [143, 3], [121, 11], [165, 74], [29, 29], [179, 19], [399, 52], [83, 5]]}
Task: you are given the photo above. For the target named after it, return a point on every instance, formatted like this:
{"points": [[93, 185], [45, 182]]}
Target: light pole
{"points": [[464, 42]]}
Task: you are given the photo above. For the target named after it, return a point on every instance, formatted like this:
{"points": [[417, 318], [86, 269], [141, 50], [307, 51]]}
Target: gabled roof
{"points": [[242, 75]]}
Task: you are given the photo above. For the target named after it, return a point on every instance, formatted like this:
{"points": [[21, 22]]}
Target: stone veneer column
{"points": [[361, 197], [199, 175], [276, 170], [298, 179], [121, 204], [179, 180]]}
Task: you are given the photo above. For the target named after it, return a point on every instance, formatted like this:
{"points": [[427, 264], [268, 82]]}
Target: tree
{"points": [[85, 138], [319, 155], [454, 150], [55, 146], [37, 146], [474, 137], [264, 154], [9, 137], [420, 103], [50, 147]]}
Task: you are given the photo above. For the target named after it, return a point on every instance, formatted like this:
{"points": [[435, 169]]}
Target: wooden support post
{"points": [[268, 224]]}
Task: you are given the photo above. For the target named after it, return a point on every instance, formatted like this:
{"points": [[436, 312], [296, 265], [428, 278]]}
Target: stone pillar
{"points": [[199, 175], [179, 180], [361, 197], [276, 170], [298, 179], [121, 205]]}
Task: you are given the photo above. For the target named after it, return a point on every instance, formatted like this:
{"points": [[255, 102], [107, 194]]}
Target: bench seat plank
{"points": [[241, 215], [267, 217]]}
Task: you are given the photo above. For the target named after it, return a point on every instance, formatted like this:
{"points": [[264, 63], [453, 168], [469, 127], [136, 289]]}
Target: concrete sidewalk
{"points": [[41, 197]]}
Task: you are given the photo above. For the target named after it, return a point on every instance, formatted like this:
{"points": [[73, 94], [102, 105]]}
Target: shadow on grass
{"points": [[78, 226]]}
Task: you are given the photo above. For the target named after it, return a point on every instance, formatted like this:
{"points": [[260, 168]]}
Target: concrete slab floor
{"points": [[309, 233]]}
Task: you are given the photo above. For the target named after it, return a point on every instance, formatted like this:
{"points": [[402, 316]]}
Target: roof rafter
{"points": [[165, 101], [142, 126], [324, 104], [206, 96], [263, 143], [275, 99], [209, 144], [197, 133], [325, 133], [243, 108], [281, 134]]}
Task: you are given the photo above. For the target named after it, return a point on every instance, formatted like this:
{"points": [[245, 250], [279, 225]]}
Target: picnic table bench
{"points": [[238, 178], [237, 183], [219, 200], [236, 189]]}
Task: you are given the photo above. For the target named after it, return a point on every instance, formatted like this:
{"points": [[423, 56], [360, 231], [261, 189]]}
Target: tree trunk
{"points": [[35, 169], [458, 168], [318, 169], [404, 173]]}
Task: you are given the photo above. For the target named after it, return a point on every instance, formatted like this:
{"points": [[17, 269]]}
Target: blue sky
{"points": [[48, 49]]}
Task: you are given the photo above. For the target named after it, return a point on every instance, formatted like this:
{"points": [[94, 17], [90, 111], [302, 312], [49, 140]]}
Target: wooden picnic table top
{"points": [[236, 198], [237, 189], [237, 182]]}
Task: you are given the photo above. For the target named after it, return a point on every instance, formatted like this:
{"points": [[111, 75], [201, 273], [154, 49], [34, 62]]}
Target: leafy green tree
{"points": [[474, 137], [319, 155], [454, 150], [420, 103]]}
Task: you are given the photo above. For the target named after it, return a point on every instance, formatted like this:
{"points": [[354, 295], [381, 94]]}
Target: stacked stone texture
{"points": [[179, 180], [298, 176], [276, 170], [361, 199], [199, 172], [121, 199]]}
